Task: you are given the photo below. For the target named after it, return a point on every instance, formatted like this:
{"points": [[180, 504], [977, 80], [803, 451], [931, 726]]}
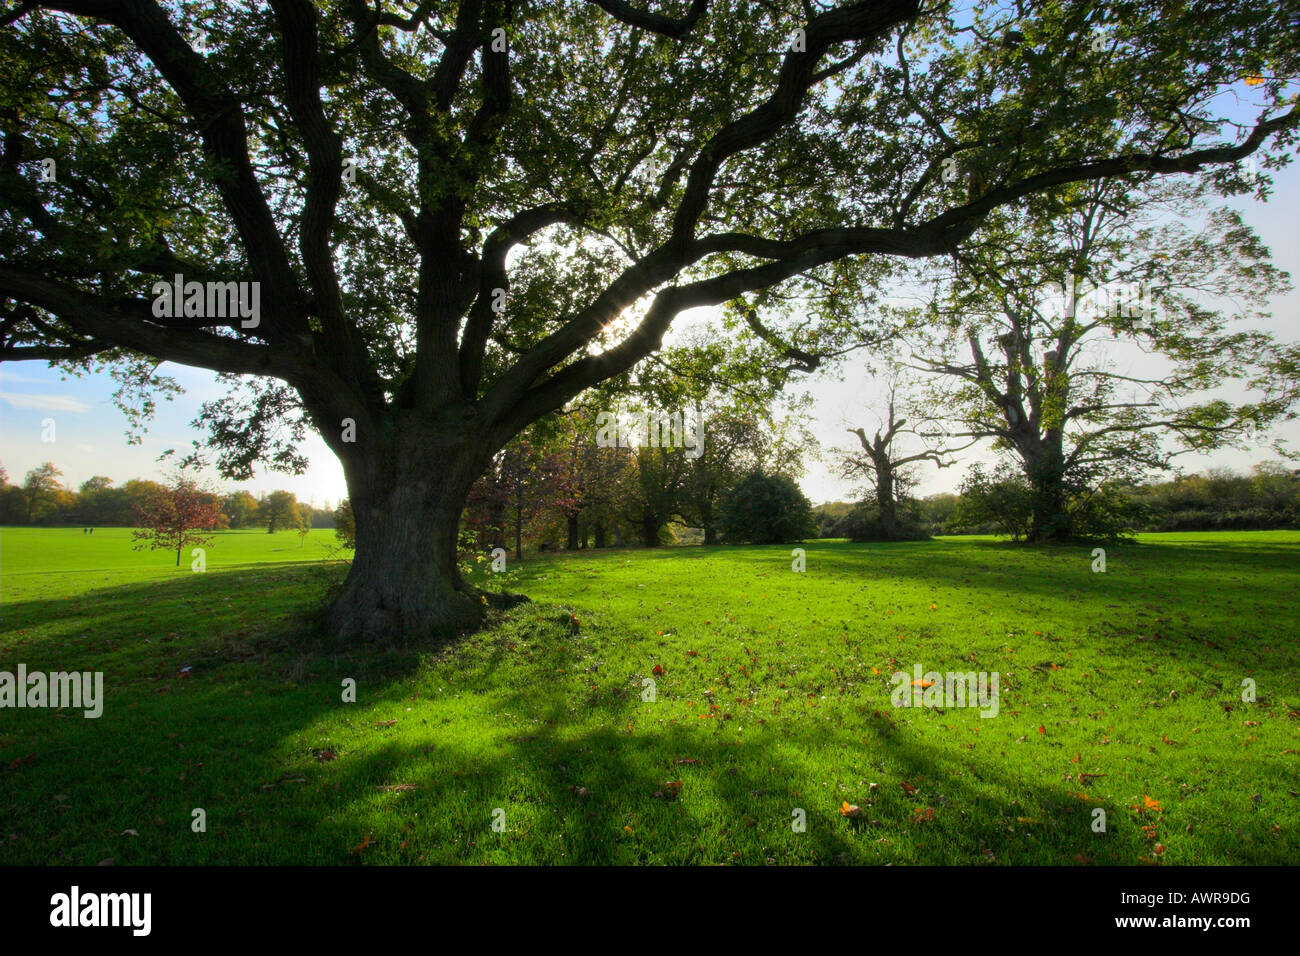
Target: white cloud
{"points": [[53, 403], [9, 376]]}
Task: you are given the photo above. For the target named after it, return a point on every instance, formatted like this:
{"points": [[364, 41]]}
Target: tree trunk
{"points": [[519, 533], [600, 535], [573, 531], [497, 523], [706, 519], [650, 529], [1050, 518], [885, 502], [407, 498]]}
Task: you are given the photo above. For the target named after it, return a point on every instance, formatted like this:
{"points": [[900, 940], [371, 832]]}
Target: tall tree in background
{"points": [[1085, 333], [887, 465], [41, 490], [460, 216], [279, 511], [240, 508]]}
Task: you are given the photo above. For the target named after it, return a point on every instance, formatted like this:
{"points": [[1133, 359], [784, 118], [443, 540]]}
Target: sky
{"points": [[88, 431]]}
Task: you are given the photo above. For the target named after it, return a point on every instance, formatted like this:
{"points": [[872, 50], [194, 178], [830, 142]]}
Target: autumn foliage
{"points": [[176, 517]]}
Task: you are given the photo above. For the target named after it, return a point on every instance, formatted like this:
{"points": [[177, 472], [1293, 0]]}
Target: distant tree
{"points": [[41, 490], [657, 491], [1015, 337], [887, 465], [13, 505], [182, 515], [240, 507], [136, 493], [767, 509], [279, 511]]}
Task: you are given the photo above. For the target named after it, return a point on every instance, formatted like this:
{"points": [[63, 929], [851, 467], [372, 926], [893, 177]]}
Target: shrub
{"points": [[1001, 502], [766, 509]]}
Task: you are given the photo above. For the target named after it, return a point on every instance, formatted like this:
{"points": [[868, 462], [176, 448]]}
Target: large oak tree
{"points": [[461, 215]]}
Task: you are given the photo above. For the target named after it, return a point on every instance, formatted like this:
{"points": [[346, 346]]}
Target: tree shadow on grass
{"points": [[581, 777]]}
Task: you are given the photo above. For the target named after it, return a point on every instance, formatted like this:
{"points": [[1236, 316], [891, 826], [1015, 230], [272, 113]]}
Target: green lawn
{"points": [[1119, 690]]}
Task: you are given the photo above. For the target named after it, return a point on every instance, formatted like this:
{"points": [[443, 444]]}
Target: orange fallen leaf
{"points": [[849, 809]]}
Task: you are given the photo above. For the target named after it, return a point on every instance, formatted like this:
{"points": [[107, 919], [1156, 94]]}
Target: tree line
{"points": [[1002, 501], [43, 500]]}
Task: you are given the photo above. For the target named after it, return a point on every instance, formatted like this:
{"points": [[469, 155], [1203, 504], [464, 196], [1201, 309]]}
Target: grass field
{"points": [[1119, 690]]}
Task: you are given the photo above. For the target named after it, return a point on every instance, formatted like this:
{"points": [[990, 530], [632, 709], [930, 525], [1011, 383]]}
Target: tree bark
{"points": [[885, 502], [573, 531], [650, 529], [407, 495], [1045, 469]]}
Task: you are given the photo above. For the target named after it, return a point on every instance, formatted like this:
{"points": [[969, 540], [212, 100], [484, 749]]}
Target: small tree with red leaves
{"points": [[181, 515]]}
